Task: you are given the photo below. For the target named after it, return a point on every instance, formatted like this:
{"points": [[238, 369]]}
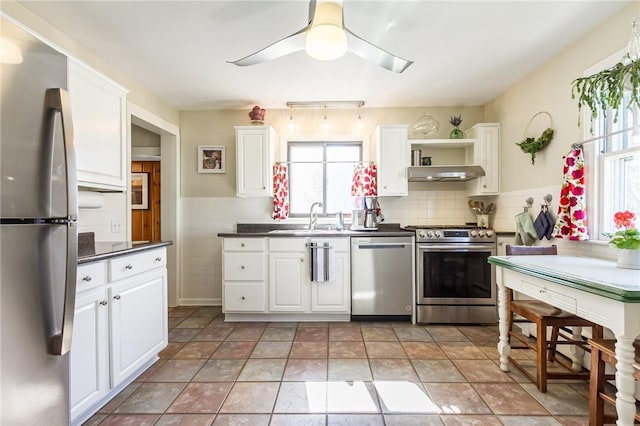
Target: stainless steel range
{"points": [[455, 284]]}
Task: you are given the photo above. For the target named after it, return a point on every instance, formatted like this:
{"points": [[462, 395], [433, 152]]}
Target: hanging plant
{"points": [[532, 145], [605, 90]]}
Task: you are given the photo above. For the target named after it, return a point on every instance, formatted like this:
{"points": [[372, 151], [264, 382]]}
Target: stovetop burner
{"points": [[452, 234]]}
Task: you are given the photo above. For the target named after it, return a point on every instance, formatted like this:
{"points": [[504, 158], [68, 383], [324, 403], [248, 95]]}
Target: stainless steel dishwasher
{"points": [[382, 277]]}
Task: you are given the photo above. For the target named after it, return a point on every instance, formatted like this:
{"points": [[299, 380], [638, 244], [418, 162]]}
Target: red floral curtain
{"points": [[571, 222], [280, 192], [365, 180]]}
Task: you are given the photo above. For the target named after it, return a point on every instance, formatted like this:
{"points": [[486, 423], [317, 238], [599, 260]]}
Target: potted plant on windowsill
{"points": [[626, 240]]}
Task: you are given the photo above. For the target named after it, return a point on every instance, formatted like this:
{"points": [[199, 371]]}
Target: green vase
{"points": [[456, 133]]}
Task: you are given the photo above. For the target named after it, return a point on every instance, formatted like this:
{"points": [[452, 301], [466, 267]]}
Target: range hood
{"points": [[444, 173]]}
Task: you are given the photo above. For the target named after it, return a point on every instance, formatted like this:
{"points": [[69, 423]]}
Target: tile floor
{"points": [[311, 374]]}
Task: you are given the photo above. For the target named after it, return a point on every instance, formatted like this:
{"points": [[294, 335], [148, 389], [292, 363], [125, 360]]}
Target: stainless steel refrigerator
{"points": [[38, 234]]}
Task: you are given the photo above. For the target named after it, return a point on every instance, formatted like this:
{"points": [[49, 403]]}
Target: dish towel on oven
{"points": [[321, 262]]}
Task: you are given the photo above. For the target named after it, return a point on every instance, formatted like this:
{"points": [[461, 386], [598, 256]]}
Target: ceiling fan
{"points": [[326, 38]]}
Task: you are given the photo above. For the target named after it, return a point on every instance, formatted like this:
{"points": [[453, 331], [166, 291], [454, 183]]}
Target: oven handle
{"points": [[456, 247]]}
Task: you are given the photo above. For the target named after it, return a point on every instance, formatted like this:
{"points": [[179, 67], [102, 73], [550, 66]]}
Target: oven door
{"points": [[455, 274]]}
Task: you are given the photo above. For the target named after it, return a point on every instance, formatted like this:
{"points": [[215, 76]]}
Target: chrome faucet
{"points": [[313, 215]]}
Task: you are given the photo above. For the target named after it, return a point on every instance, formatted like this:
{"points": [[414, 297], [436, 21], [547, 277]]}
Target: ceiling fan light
{"points": [[326, 42]]}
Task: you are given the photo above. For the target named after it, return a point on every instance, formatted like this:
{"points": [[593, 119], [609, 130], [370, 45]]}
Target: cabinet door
{"points": [[288, 289], [89, 356], [335, 295], [487, 155], [253, 161], [138, 322], [392, 148], [99, 123]]}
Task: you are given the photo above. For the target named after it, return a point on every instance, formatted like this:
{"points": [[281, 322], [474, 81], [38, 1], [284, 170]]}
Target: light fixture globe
{"points": [[326, 40], [326, 43]]}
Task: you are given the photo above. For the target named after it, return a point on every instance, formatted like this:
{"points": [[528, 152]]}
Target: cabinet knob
{"points": [[87, 278], [158, 259], [241, 266], [500, 244], [241, 244], [129, 267], [103, 302], [243, 298], [117, 297], [484, 186]]}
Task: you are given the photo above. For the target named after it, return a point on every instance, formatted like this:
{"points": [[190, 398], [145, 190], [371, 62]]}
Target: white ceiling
{"points": [[465, 52]]}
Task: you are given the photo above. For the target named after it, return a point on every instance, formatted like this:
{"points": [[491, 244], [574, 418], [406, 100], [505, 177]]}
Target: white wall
{"points": [[99, 220], [204, 218]]}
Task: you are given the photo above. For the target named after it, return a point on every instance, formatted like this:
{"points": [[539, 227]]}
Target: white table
{"points": [[591, 288]]}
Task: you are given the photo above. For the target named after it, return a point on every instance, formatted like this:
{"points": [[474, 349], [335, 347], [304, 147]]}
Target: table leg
{"points": [[504, 349], [577, 353], [625, 400]]}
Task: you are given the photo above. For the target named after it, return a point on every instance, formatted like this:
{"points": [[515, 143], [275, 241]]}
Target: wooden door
{"points": [[145, 223]]}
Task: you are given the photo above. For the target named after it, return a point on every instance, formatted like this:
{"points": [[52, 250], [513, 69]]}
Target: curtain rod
{"points": [[579, 144], [325, 162]]}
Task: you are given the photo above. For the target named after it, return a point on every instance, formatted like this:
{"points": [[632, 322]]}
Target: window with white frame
{"points": [[321, 171], [614, 183]]}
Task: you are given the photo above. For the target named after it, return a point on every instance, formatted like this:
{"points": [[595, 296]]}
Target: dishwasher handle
{"points": [[382, 245]]}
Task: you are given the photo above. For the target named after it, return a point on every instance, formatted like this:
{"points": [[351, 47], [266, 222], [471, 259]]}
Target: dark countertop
{"points": [[259, 230], [93, 251]]}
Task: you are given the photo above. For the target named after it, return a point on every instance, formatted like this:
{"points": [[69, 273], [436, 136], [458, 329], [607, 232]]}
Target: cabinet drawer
{"points": [[244, 297], [288, 244], [244, 267], [541, 292], [90, 275], [126, 266], [243, 244]]}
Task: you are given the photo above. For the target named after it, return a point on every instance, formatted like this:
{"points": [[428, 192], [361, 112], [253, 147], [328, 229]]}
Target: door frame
{"points": [[169, 190]]}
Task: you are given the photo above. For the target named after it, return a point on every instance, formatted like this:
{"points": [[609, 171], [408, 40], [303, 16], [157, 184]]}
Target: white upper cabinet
{"points": [[98, 108], [486, 154], [254, 157], [392, 158]]}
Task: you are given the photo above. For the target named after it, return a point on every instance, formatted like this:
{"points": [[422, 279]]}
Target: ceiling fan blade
{"points": [[283, 47], [375, 54]]}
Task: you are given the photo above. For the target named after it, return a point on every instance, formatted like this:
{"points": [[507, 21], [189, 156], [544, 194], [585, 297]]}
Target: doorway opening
{"points": [[167, 198]]}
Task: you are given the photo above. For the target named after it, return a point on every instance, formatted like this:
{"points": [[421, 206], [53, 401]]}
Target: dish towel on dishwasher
{"points": [[321, 262]]}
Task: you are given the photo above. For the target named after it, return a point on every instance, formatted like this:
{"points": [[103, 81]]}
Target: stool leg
{"points": [[541, 356], [596, 385]]}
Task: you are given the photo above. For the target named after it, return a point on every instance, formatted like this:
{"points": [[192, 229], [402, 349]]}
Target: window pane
{"points": [[328, 181], [340, 176], [305, 180]]}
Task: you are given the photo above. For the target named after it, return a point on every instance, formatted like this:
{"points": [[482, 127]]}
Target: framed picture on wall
{"points": [[139, 191], [211, 159]]}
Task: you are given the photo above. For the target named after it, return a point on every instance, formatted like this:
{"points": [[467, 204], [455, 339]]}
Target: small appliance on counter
{"points": [[367, 216]]}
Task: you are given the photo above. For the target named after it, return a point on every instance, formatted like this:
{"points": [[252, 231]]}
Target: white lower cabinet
{"points": [[288, 288], [271, 276], [89, 350], [120, 326], [243, 275], [334, 295], [138, 322]]}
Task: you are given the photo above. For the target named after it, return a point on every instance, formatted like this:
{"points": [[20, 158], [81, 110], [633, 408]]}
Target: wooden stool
{"points": [[603, 352], [544, 315]]}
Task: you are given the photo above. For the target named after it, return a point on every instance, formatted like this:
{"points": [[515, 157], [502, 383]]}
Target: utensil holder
{"points": [[482, 220]]}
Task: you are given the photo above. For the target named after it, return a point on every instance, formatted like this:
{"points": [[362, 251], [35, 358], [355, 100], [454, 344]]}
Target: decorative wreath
{"points": [[531, 145]]}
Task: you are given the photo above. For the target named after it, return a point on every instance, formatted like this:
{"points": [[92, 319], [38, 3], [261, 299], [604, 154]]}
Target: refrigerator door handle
{"points": [[57, 100]]}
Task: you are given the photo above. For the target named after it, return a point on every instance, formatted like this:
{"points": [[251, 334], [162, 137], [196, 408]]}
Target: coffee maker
{"points": [[371, 209], [366, 213]]}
